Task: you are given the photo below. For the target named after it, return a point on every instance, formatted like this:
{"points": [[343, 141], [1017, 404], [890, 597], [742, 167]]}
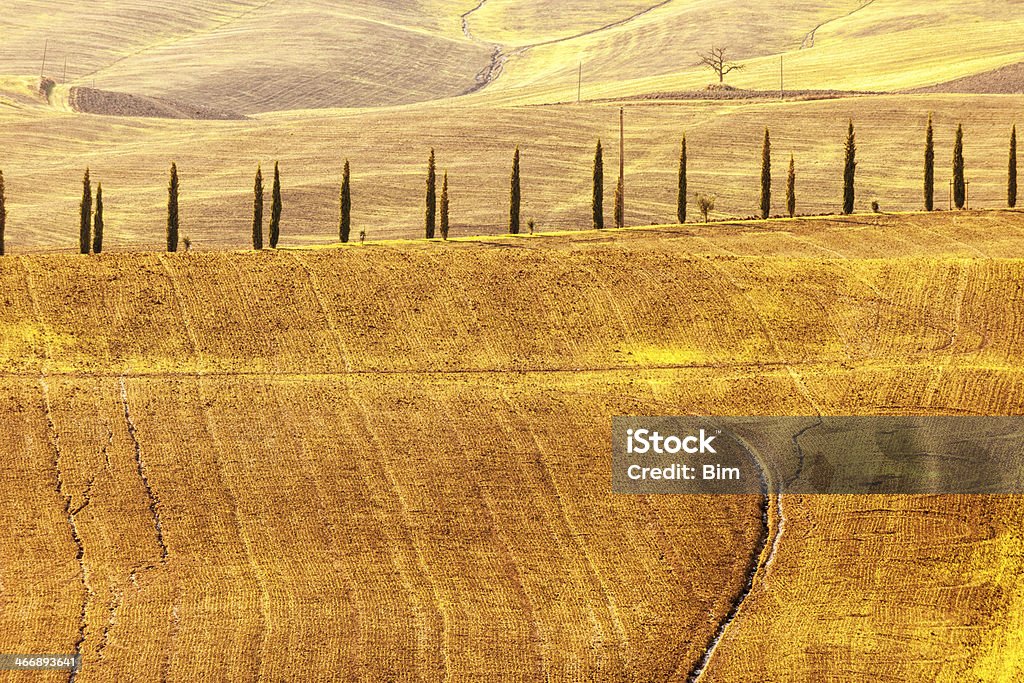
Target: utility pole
{"points": [[579, 85], [42, 71], [65, 79], [622, 162], [782, 89]]}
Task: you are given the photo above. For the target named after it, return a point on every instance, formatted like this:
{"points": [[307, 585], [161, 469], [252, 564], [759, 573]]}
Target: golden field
{"points": [[389, 461], [385, 462]]}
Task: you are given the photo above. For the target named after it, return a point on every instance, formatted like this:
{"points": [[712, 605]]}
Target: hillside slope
{"points": [[398, 457]]}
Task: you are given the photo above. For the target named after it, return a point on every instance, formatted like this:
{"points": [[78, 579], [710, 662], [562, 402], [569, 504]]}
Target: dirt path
{"points": [[808, 40], [499, 56]]}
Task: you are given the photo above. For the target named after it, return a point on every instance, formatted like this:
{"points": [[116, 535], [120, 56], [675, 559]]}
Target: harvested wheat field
{"points": [[390, 461]]}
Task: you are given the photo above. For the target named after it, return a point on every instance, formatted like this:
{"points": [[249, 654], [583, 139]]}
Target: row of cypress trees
{"points": [[91, 213]]}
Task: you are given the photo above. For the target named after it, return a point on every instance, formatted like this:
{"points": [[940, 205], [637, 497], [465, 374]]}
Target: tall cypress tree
{"points": [[959, 186], [85, 216], [172, 210], [431, 215], [791, 188], [275, 209], [681, 195], [444, 207], [766, 176], [3, 214], [597, 204], [97, 222], [620, 209], [345, 222], [514, 197], [257, 211], [929, 167], [1011, 177], [849, 169]]}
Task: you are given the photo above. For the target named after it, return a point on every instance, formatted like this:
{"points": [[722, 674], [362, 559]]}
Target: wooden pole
{"points": [[579, 85], [782, 89], [65, 79], [42, 71]]}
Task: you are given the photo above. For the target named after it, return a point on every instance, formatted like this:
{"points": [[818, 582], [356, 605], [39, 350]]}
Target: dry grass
{"points": [[321, 429]]}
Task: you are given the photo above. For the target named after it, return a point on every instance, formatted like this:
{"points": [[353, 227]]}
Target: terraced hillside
{"points": [[392, 462]]}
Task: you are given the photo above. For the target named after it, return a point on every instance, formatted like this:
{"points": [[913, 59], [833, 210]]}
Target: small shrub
{"points": [[531, 225], [874, 207], [706, 204], [188, 243], [362, 236]]}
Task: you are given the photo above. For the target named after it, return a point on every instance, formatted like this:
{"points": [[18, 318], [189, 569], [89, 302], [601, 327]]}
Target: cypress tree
{"points": [[681, 196], [85, 216], [1011, 178], [597, 205], [620, 212], [959, 187], [97, 222], [3, 214], [514, 197], [766, 176], [431, 216], [275, 209], [444, 207], [849, 169], [257, 211], [791, 188], [172, 210], [345, 223], [929, 167]]}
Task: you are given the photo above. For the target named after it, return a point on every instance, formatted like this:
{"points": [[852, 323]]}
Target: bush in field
{"points": [[85, 216], [444, 207], [849, 170], [766, 175], [345, 220], [431, 215], [97, 222], [275, 209], [959, 185], [705, 204], [172, 210], [514, 197], [597, 203], [257, 211], [929, 167], [791, 188]]}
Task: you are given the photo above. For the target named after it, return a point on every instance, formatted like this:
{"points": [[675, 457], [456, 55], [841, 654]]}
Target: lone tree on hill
{"points": [[1011, 180], [959, 186], [431, 216], [849, 169], [172, 210], [716, 60], [791, 188], [345, 221], [3, 214], [766, 176], [257, 211], [275, 209], [681, 196], [85, 216], [444, 207], [929, 167], [597, 204], [514, 197], [97, 222], [705, 204]]}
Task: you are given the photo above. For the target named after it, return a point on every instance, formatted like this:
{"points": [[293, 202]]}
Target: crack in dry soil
{"points": [[140, 467]]}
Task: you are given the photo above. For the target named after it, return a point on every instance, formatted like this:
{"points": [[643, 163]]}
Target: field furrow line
{"points": [[186, 317], [314, 285], [153, 500], [572, 534], [232, 500]]}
